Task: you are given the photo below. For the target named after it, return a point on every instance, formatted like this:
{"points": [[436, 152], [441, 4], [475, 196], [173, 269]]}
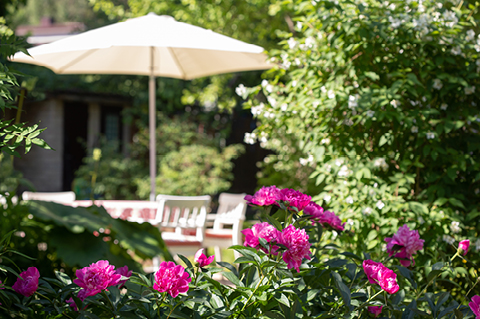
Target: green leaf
{"points": [[372, 75], [344, 291], [281, 298], [233, 279], [63, 277]]}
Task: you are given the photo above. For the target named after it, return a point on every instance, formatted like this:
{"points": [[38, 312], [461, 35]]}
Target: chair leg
{"points": [[155, 263], [218, 253]]}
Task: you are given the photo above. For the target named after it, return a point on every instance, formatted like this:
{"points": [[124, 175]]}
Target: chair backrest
{"points": [[183, 213], [231, 209], [132, 210], [58, 197]]}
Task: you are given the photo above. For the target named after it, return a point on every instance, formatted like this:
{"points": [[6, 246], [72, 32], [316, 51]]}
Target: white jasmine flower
{"points": [[338, 162], [352, 101], [257, 110], [327, 198], [343, 172], [444, 106], [272, 101], [456, 50], [470, 35], [326, 141], [328, 168], [294, 83], [380, 162], [292, 43], [349, 200], [394, 22], [469, 90], [380, 204], [414, 129], [454, 227], [448, 239], [299, 26], [430, 135], [268, 87], [394, 103], [284, 107], [323, 89], [241, 90], [367, 211], [306, 161], [450, 18], [437, 84], [309, 42], [370, 113], [249, 138], [331, 94]]}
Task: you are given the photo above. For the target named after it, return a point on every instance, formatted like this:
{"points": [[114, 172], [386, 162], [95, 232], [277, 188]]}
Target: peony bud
{"points": [[376, 310], [201, 259], [463, 246]]}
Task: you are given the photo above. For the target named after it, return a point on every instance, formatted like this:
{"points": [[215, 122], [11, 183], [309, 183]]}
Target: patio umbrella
{"points": [[150, 45]]}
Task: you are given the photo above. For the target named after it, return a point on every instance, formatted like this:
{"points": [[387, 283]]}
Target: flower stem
{"points": [[370, 299], [109, 301], [465, 296], [254, 291], [41, 295]]}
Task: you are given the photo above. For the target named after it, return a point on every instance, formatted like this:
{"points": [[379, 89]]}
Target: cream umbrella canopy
{"points": [[157, 46]]}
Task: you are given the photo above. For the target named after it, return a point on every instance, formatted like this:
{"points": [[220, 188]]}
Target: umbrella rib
{"points": [[79, 58], [184, 76]]}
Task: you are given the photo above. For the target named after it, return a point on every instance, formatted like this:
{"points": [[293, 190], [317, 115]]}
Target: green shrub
{"points": [[194, 170], [380, 98]]}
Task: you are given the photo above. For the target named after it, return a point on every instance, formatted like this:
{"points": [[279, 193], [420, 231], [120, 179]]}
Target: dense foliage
{"points": [[379, 100], [13, 134], [283, 273], [60, 237]]}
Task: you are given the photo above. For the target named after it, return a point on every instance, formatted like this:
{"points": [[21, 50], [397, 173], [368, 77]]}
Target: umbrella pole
{"points": [[152, 126]]}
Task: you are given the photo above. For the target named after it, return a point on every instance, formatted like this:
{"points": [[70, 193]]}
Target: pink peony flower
{"points": [[378, 274], [298, 247], [329, 219], [293, 198], [97, 277], [265, 196], [376, 310], [326, 218], [201, 259], [408, 241], [82, 295], [261, 230], [371, 269], [475, 306], [314, 210], [171, 278], [29, 284], [463, 246], [123, 271]]}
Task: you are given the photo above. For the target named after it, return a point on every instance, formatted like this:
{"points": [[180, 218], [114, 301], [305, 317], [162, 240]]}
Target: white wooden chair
{"points": [[227, 223], [181, 220], [57, 197]]}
